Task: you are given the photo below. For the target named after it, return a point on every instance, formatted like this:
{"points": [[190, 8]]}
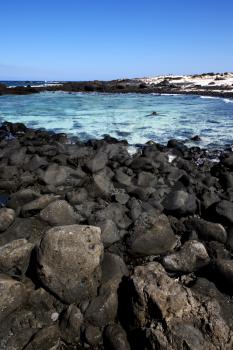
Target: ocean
{"points": [[125, 116]]}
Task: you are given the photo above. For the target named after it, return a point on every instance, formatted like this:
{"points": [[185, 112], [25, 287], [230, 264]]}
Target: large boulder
{"points": [[152, 235], [69, 260], [174, 316]]}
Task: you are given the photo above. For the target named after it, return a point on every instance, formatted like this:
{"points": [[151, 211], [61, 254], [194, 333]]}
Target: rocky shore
{"points": [[100, 249], [209, 84]]}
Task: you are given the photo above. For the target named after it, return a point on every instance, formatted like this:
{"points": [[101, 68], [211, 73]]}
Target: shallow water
{"points": [[125, 116]]}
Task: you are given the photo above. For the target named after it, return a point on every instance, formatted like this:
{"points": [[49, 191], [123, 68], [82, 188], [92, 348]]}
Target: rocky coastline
{"points": [[100, 249], [209, 84]]}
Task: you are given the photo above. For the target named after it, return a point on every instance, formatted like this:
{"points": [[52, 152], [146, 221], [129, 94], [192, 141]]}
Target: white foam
{"points": [[227, 100], [209, 97]]}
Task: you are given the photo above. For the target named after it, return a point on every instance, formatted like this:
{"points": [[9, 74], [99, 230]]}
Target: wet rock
{"points": [[7, 217], [70, 324], [115, 338], [57, 213], [191, 257], [14, 256], [180, 203], [196, 138], [208, 230], [12, 295], [69, 260], [152, 235]]}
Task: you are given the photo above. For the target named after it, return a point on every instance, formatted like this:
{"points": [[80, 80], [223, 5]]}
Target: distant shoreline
{"points": [[210, 84]]}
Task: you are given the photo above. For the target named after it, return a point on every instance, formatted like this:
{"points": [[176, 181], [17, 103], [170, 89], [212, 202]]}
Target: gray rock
{"points": [[225, 270], [109, 232], [57, 213], [22, 197], [209, 231], [37, 204], [103, 185], [191, 257], [55, 175], [180, 203], [224, 210], [12, 295], [47, 338], [103, 309], [30, 228], [78, 196], [115, 212], [7, 216], [115, 338], [181, 317], [70, 324], [152, 235], [69, 260], [98, 162], [93, 335], [113, 269], [15, 256]]}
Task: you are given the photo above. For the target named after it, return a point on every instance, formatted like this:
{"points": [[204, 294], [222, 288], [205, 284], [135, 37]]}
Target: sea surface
{"points": [[125, 116]]}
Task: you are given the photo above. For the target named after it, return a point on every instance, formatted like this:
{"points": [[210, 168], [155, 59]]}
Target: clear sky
{"points": [[107, 39]]}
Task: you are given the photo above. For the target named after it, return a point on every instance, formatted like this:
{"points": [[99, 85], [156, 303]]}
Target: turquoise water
{"points": [[125, 116]]}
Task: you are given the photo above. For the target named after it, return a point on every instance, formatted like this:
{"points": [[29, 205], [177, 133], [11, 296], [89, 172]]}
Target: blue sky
{"points": [[100, 39]]}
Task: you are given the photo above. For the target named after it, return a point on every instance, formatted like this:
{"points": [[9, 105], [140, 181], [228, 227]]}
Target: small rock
{"points": [[191, 257], [93, 335], [98, 162], [55, 175], [152, 236], [225, 271], [109, 232], [7, 216], [224, 210], [12, 295], [180, 203], [15, 256], [57, 213], [70, 324], [209, 231], [115, 338]]}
